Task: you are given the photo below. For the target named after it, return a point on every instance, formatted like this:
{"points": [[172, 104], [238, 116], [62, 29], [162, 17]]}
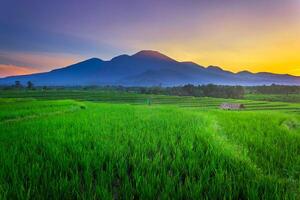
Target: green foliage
{"points": [[197, 91], [275, 89], [275, 97], [179, 148]]}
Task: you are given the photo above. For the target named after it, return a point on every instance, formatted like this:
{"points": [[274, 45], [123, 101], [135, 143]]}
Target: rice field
{"points": [[112, 145], [116, 97], [275, 97]]}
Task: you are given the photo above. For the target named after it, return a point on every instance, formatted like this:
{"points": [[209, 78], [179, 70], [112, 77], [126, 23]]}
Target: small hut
{"points": [[232, 106]]}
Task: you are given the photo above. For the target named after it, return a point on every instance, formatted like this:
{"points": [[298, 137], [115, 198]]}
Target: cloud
{"points": [[38, 60], [12, 70]]}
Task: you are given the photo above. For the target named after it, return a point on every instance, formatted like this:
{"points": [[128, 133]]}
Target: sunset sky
{"points": [[254, 35]]}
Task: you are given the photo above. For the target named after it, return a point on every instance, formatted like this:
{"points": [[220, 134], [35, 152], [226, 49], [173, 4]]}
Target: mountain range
{"points": [[147, 68]]}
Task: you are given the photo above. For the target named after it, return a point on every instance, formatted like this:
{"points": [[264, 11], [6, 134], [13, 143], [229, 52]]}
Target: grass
{"points": [[275, 97], [256, 102], [177, 148]]}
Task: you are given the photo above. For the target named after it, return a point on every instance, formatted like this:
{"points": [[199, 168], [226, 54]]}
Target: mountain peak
{"points": [[94, 59], [146, 68], [216, 68], [245, 72], [152, 54], [120, 57], [91, 60], [86, 64]]}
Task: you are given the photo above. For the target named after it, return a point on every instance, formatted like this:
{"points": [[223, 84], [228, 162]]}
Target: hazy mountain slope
{"points": [[147, 68]]}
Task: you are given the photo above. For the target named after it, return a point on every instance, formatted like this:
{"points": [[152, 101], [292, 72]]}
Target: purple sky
{"points": [[235, 34]]}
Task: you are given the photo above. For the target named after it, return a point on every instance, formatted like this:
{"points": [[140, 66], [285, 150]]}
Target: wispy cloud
{"points": [[39, 60], [12, 70]]}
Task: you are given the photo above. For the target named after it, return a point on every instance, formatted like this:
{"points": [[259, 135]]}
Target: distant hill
{"points": [[147, 68]]}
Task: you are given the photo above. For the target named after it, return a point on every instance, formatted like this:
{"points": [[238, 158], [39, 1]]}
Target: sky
{"points": [[237, 35]]}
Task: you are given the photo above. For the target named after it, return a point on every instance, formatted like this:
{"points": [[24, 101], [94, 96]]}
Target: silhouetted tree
{"points": [[18, 84], [29, 85]]}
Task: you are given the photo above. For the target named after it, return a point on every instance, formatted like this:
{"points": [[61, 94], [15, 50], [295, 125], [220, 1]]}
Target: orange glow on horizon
{"points": [[12, 70], [275, 52]]}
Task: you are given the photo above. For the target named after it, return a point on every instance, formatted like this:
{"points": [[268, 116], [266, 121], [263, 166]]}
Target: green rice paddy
{"points": [[112, 145]]}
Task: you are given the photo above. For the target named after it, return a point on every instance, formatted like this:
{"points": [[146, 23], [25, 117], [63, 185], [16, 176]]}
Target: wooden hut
{"points": [[232, 106]]}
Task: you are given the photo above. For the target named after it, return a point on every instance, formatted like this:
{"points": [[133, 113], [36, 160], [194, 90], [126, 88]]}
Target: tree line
{"points": [[210, 90], [19, 86], [275, 89]]}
